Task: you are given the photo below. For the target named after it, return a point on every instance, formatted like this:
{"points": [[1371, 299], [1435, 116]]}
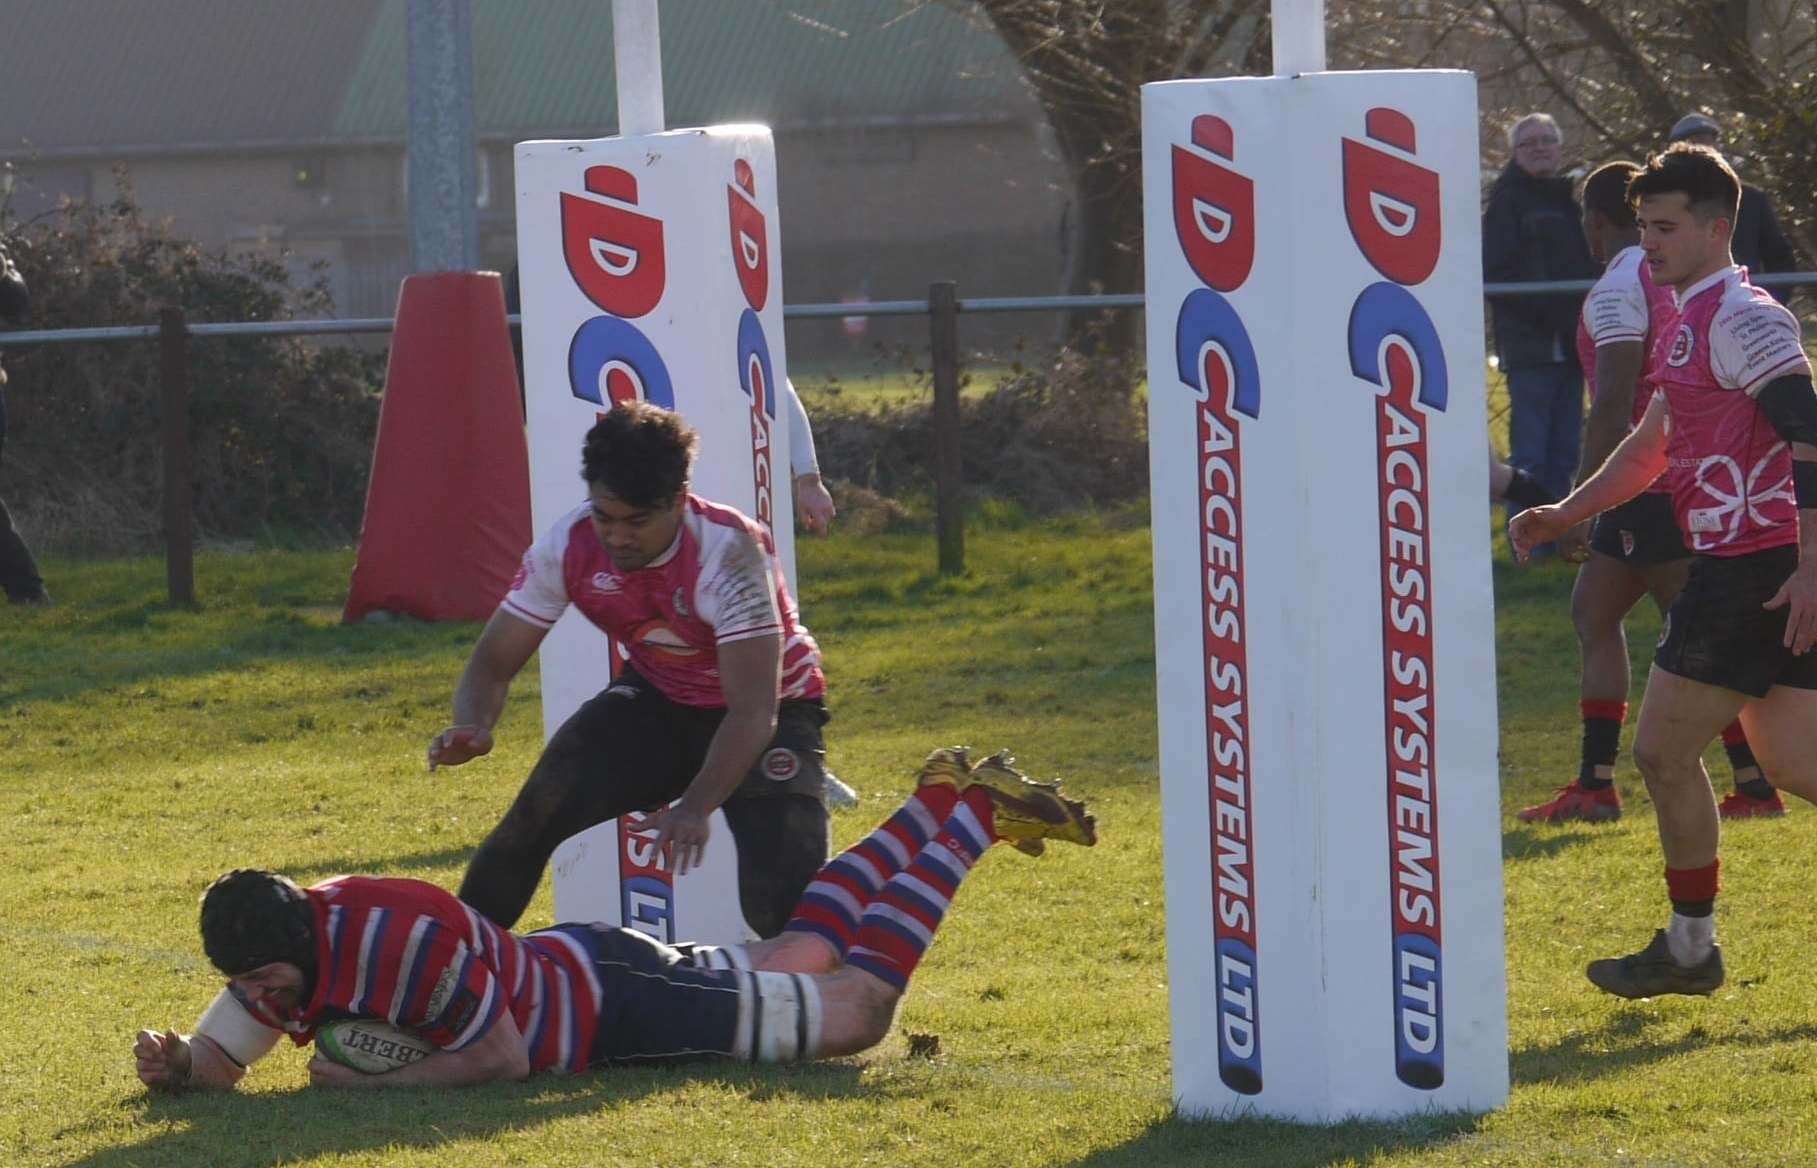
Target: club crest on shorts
{"points": [[780, 765], [1682, 344], [1627, 543]]}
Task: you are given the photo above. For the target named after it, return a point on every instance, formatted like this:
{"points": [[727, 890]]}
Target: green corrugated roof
{"points": [[98, 74], [545, 68]]}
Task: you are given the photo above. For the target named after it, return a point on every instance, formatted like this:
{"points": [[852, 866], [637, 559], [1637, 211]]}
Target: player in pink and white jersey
{"points": [[1635, 549], [496, 1005], [719, 703], [1736, 419]]}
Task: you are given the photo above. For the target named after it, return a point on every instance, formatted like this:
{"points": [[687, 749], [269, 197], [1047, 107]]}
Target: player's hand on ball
{"points": [[324, 1072], [685, 831], [457, 744], [1534, 526], [162, 1059]]}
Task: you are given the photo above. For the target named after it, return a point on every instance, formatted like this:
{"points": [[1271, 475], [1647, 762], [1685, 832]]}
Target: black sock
{"points": [[1694, 908], [1602, 739], [1756, 789]]}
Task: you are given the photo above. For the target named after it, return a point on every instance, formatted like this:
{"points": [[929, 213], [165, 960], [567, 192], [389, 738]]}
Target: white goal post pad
{"points": [[650, 267], [1323, 610]]}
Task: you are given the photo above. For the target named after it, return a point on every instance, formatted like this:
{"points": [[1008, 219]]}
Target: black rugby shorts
{"points": [[1717, 632], [1644, 530]]}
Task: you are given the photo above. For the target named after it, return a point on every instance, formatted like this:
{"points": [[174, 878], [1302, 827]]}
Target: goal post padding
{"points": [[1323, 609], [650, 268]]}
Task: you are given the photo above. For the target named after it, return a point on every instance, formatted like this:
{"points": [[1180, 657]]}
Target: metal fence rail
{"points": [[1107, 300], [942, 307]]}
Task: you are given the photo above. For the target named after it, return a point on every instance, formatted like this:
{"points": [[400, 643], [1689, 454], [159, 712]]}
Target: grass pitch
{"points": [[144, 750]]}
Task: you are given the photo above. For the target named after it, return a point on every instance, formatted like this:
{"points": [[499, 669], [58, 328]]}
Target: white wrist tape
{"points": [[241, 1037]]}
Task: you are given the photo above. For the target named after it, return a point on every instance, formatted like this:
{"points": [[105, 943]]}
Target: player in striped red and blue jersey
{"points": [[497, 1005]]}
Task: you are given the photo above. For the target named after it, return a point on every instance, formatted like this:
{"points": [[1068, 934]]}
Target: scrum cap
{"points": [[252, 918]]}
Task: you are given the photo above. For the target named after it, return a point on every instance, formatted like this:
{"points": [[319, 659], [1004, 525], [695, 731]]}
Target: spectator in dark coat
{"points": [[1758, 244], [1533, 230], [18, 571]]}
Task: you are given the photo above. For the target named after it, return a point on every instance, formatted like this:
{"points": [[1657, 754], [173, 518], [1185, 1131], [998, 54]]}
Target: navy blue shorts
{"points": [[656, 1007]]}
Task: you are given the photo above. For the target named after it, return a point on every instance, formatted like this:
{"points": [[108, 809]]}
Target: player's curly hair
{"points": [[1702, 175], [252, 918], [640, 453], [1606, 191]]}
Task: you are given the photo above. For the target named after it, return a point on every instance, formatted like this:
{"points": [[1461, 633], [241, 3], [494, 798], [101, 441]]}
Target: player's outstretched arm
{"points": [[228, 1039], [168, 1061], [749, 673], [502, 651], [497, 1054], [1628, 472]]}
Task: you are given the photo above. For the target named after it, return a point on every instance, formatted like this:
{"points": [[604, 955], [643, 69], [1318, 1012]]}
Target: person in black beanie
{"points": [[1533, 230], [18, 571]]}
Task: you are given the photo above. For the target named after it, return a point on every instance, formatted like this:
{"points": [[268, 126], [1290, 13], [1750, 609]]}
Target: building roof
{"points": [[94, 76], [78, 74]]}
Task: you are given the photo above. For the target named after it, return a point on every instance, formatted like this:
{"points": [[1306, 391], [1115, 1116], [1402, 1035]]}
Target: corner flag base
{"points": [[448, 507]]}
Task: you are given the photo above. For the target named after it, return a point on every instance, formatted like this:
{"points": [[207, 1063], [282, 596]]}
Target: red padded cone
{"points": [[448, 507]]}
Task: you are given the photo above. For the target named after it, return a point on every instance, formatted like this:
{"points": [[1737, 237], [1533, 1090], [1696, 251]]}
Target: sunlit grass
{"points": [[144, 750]]}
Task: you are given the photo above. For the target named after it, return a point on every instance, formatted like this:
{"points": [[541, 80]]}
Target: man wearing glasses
{"points": [[1533, 230]]}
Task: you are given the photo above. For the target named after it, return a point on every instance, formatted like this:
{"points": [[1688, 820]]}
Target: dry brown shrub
{"points": [[1073, 434]]}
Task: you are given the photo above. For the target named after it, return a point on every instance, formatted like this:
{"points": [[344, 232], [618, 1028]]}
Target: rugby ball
{"points": [[369, 1046]]}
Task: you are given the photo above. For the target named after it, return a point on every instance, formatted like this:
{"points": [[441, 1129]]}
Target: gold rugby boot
{"points": [[1029, 813]]}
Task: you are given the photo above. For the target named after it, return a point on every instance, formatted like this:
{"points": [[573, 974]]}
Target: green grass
{"points": [[144, 750], [873, 388]]}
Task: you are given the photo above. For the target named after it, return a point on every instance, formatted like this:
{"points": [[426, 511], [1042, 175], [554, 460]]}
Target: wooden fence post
{"points": [[949, 480], [179, 491]]}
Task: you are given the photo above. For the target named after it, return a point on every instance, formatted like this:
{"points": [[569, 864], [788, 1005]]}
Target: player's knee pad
{"points": [[779, 1018]]}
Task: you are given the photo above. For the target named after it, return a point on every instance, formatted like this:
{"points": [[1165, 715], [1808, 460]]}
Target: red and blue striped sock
{"points": [[899, 924], [836, 898]]}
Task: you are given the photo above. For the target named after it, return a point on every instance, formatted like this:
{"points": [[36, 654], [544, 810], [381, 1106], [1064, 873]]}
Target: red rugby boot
{"points": [[1735, 805], [1574, 803]]}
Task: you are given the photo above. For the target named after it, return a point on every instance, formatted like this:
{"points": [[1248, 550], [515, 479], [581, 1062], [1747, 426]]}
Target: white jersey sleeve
{"points": [[539, 593], [1754, 341], [736, 593], [1616, 308], [802, 458]]}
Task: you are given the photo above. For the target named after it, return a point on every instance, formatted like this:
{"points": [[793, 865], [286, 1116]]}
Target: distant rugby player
{"points": [[1736, 420], [1634, 549], [497, 1005], [720, 703]]}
